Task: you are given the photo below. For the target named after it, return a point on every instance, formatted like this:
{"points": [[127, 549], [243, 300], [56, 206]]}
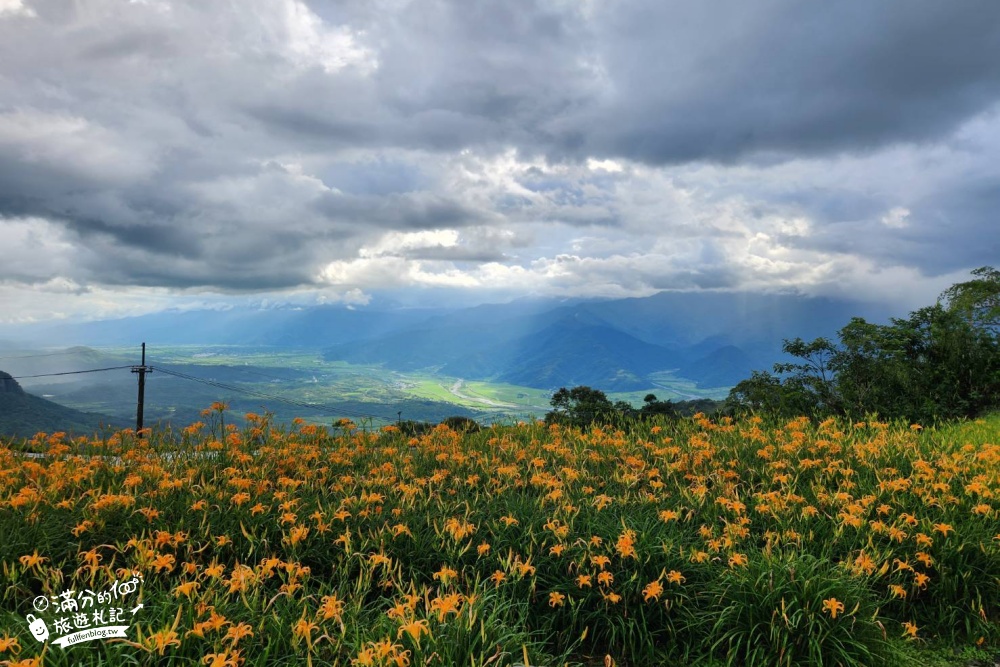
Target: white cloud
{"points": [[311, 42], [387, 272], [15, 8], [896, 217], [606, 165], [398, 242]]}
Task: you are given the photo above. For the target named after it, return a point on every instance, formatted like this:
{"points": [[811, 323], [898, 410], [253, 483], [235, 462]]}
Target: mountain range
{"points": [[712, 338]]}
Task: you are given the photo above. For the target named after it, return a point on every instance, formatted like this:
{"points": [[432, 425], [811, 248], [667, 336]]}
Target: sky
{"points": [[158, 154]]}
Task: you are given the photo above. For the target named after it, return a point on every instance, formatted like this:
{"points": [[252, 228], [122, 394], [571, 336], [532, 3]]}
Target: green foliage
{"points": [[413, 428], [584, 406], [779, 610], [462, 424], [941, 362], [978, 299], [580, 406], [651, 406], [766, 393]]}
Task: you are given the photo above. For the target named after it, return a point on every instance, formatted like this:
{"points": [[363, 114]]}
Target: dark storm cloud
{"points": [[245, 146], [396, 211], [315, 127], [668, 82], [162, 238], [456, 254], [965, 219], [236, 277], [943, 233], [723, 79], [513, 64], [145, 43]]}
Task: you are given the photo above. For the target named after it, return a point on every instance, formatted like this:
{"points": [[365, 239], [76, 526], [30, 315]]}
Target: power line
{"points": [[91, 370], [241, 369], [222, 385], [35, 356]]}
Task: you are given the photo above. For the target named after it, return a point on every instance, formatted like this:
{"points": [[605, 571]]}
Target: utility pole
{"points": [[141, 370]]}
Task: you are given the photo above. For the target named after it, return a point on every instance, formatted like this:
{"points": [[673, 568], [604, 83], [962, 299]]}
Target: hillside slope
{"points": [[22, 414]]}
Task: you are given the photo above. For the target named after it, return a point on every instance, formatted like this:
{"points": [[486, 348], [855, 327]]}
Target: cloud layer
{"points": [[153, 152]]}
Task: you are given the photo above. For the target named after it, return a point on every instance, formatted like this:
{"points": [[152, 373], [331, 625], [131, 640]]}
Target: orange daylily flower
{"points": [[833, 606], [653, 590], [33, 559]]}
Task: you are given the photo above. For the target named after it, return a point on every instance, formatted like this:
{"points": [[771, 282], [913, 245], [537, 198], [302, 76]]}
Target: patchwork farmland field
{"points": [[286, 380], [692, 542]]}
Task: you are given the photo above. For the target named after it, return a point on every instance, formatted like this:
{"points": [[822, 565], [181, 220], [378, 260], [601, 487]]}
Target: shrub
{"points": [[795, 609]]}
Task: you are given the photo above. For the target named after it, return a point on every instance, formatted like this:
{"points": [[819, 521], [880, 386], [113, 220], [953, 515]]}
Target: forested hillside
{"points": [[23, 415]]}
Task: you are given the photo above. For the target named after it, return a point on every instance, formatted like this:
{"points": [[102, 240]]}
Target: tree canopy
{"points": [[941, 362], [579, 406]]}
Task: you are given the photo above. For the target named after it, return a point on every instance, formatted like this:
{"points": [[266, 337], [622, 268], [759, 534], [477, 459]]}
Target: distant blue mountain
{"points": [[712, 338], [722, 367], [574, 352]]}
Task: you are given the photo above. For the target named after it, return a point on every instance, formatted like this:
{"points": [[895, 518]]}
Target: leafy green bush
{"points": [[795, 609], [941, 362]]}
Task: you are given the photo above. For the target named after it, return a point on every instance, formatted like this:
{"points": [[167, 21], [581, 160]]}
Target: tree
{"points": [[954, 363], [811, 379], [761, 392], [935, 364], [873, 370], [765, 392], [580, 406], [978, 300], [651, 407], [941, 362], [461, 424]]}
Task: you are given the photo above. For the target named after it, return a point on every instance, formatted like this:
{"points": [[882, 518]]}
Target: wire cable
{"points": [[35, 356], [47, 375], [229, 387]]}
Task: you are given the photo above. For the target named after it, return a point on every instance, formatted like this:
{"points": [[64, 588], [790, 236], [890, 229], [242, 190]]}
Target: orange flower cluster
{"points": [[260, 534]]}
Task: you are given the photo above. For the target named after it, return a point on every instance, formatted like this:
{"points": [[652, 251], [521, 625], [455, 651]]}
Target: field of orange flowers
{"points": [[695, 542]]}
